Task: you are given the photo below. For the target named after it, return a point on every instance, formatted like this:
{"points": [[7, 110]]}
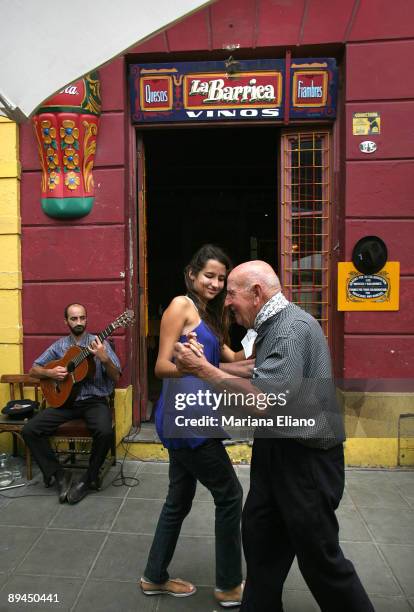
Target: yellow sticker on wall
{"points": [[357, 291], [364, 124]]}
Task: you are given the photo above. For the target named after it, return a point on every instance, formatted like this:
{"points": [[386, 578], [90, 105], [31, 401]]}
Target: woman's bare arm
{"points": [[177, 316]]}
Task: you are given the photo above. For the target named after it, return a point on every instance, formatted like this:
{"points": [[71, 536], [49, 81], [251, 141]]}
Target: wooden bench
{"points": [[73, 433]]}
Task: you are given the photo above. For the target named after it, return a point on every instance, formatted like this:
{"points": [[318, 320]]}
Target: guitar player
{"points": [[89, 403]]}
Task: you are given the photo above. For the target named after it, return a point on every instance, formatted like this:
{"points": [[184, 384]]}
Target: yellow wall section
{"points": [[123, 413], [11, 347]]}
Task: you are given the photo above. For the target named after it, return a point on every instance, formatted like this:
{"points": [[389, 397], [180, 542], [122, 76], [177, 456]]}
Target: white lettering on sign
{"points": [[155, 96], [309, 91], [246, 112], [215, 91], [72, 90]]}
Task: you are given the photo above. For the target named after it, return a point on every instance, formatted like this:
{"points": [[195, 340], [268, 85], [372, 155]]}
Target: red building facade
{"points": [[103, 259]]}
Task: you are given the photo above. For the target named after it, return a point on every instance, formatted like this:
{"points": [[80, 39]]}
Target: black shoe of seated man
{"points": [[95, 485], [63, 481], [78, 491]]}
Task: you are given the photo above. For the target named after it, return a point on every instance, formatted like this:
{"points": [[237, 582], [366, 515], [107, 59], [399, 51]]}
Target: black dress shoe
{"points": [[95, 485], [78, 491], [63, 481]]}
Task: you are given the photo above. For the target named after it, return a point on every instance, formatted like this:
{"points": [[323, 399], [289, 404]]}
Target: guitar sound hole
{"points": [[70, 366]]}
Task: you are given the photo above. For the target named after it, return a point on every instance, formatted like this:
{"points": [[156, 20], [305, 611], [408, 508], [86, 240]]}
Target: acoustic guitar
{"points": [[80, 363]]}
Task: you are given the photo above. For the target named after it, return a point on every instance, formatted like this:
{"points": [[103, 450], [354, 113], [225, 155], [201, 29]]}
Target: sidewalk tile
{"points": [[151, 486], [123, 558], [14, 544], [200, 521], [385, 496], [390, 604], [400, 478], [4, 501], [41, 511], [405, 485], [295, 580], [203, 494], [138, 516], [3, 578], [195, 560], [346, 499], [62, 553], [153, 467], [351, 526], [365, 476], [110, 490], [389, 526], [88, 514], [303, 601], [113, 597], [242, 470], [245, 483], [371, 568], [401, 560]]}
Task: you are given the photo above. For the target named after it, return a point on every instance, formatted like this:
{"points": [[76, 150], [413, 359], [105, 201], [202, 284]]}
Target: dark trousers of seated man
{"points": [[97, 415]]}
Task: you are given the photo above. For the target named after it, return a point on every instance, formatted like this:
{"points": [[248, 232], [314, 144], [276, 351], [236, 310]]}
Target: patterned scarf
{"points": [[276, 303]]}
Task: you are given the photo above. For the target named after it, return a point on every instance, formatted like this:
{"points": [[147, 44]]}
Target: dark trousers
{"points": [[97, 414], [290, 511], [210, 464]]}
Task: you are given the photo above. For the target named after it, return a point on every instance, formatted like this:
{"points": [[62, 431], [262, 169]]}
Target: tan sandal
{"points": [[174, 586], [231, 598]]}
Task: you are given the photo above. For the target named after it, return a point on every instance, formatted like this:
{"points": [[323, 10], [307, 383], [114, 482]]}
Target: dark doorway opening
{"points": [[214, 185]]}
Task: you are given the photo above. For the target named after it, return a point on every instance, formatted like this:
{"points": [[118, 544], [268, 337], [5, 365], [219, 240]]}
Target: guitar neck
{"points": [[85, 352], [106, 332]]}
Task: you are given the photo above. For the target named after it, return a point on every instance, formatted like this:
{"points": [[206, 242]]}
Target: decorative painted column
{"points": [[66, 129]]}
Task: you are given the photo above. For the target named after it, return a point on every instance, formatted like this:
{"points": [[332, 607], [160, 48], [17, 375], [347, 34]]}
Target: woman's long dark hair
{"points": [[213, 312]]}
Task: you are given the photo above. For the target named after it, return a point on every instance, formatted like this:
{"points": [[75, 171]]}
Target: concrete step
{"points": [[144, 444]]}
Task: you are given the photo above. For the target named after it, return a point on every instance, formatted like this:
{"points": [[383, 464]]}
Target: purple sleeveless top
{"points": [[165, 409]]}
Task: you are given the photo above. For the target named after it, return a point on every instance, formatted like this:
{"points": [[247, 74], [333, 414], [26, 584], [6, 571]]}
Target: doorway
{"points": [[205, 185]]}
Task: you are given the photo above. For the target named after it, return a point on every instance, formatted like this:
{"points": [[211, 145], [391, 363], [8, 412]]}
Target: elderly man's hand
{"points": [[193, 344], [186, 359]]}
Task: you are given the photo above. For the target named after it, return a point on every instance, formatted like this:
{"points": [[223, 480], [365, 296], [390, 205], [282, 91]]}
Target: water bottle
{"points": [[6, 476]]}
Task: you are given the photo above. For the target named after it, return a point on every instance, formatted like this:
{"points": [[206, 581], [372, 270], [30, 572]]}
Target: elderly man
{"points": [[297, 476]]}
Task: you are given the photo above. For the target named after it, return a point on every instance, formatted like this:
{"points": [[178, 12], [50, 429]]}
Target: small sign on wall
{"points": [[364, 124], [379, 291]]}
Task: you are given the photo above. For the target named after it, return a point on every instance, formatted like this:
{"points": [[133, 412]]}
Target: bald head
{"points": [[259, 273], [249, 287]]}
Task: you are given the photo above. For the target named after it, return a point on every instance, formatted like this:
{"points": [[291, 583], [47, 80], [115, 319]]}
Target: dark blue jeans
{"points": [[210, 464]]}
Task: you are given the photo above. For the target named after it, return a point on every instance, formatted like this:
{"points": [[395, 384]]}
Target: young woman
{"points": [[200, 313]]}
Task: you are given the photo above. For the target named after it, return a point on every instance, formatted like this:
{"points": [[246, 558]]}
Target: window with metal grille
{"points": [[305, 221]]}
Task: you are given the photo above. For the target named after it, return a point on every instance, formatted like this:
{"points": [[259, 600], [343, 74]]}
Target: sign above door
{"points": [[234, 90]]}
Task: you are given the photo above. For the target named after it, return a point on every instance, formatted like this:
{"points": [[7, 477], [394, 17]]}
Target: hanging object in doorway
{"points": [[66, 129]]}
